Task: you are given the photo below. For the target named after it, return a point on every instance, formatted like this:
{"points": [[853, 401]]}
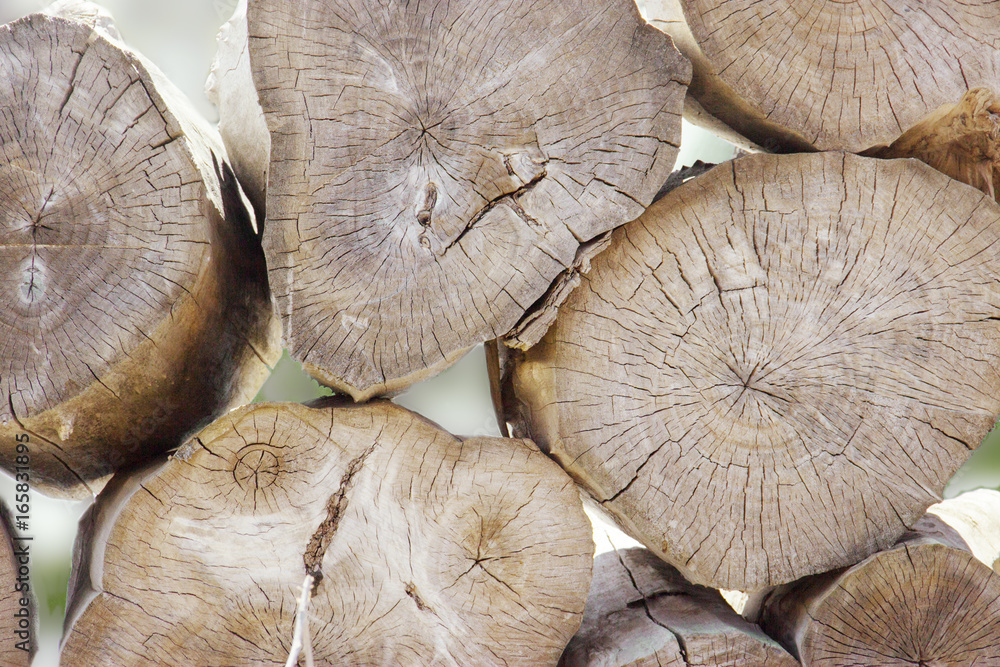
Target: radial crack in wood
{"points": [[925, 601], [426, 549], [778, 366], [792, 74], [641, 611], [135, 304], [435, 167]]}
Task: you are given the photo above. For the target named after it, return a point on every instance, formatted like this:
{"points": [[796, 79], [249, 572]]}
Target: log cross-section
{"points": [[422, 549], [926, 601], [134, 303], [778, 366], [435, 167], [791, 74]]}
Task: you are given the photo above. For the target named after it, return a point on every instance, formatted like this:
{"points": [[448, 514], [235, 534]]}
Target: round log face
{"points": [[925, 604], [430, 550], [779, 366], [848, 74], [99, 232], [435, 166]]}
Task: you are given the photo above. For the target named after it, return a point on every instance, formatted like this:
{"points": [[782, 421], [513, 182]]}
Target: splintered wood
{"points": [[787, 74], [961, 140], [778, 367], [437, 168], [134, 305], [641, 611], [425, 550]]}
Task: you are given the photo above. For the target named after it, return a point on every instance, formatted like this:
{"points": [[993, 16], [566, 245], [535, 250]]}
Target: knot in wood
{"points": [[257, 467]]}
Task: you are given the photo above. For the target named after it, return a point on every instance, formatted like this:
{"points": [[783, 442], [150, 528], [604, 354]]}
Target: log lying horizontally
{"points": [[640, 611], [439, 169], [135, 303], [778, 366], [926, 601], [426, 549], [788, 74]]}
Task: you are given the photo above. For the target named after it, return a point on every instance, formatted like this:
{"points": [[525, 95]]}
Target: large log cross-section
{"points": [[435, 167], [134, 303], [424, 549], [777, 367]]}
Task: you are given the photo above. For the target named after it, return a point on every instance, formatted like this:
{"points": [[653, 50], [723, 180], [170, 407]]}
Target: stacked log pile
{"points": [[766, 377]]}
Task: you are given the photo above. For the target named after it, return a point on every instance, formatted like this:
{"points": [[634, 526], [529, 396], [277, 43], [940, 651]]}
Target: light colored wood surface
{"points": [[778, 366], [428, 549], [837, 75], [925, 601], [435, 167], [641, 611]]}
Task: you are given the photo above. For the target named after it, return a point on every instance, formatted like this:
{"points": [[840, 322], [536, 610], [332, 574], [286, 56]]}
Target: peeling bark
{"points": [[795, 75], [641, 611], [426, 549], [776, 368], [136, 306], [436, 168]]}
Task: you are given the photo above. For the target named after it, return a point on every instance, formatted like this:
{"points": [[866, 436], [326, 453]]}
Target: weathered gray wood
{"points": [[778, 366], [641, 611], [961, 140], [135, 306], [925, 601], [787, 74], [439, 171], [428, 550]]}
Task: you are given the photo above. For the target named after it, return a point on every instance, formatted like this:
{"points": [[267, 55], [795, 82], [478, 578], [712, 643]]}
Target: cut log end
{"points": [[926, 601], [421, 547], [726, 377], [435, 167], [790, 75], [134, 303]]}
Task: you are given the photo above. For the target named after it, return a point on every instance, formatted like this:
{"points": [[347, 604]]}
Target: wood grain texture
{"points": [[837, 75], [778, 366], [641, 611], [134, 304], [435, 166], [961, 140], [925, 601], [429, 550]]}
